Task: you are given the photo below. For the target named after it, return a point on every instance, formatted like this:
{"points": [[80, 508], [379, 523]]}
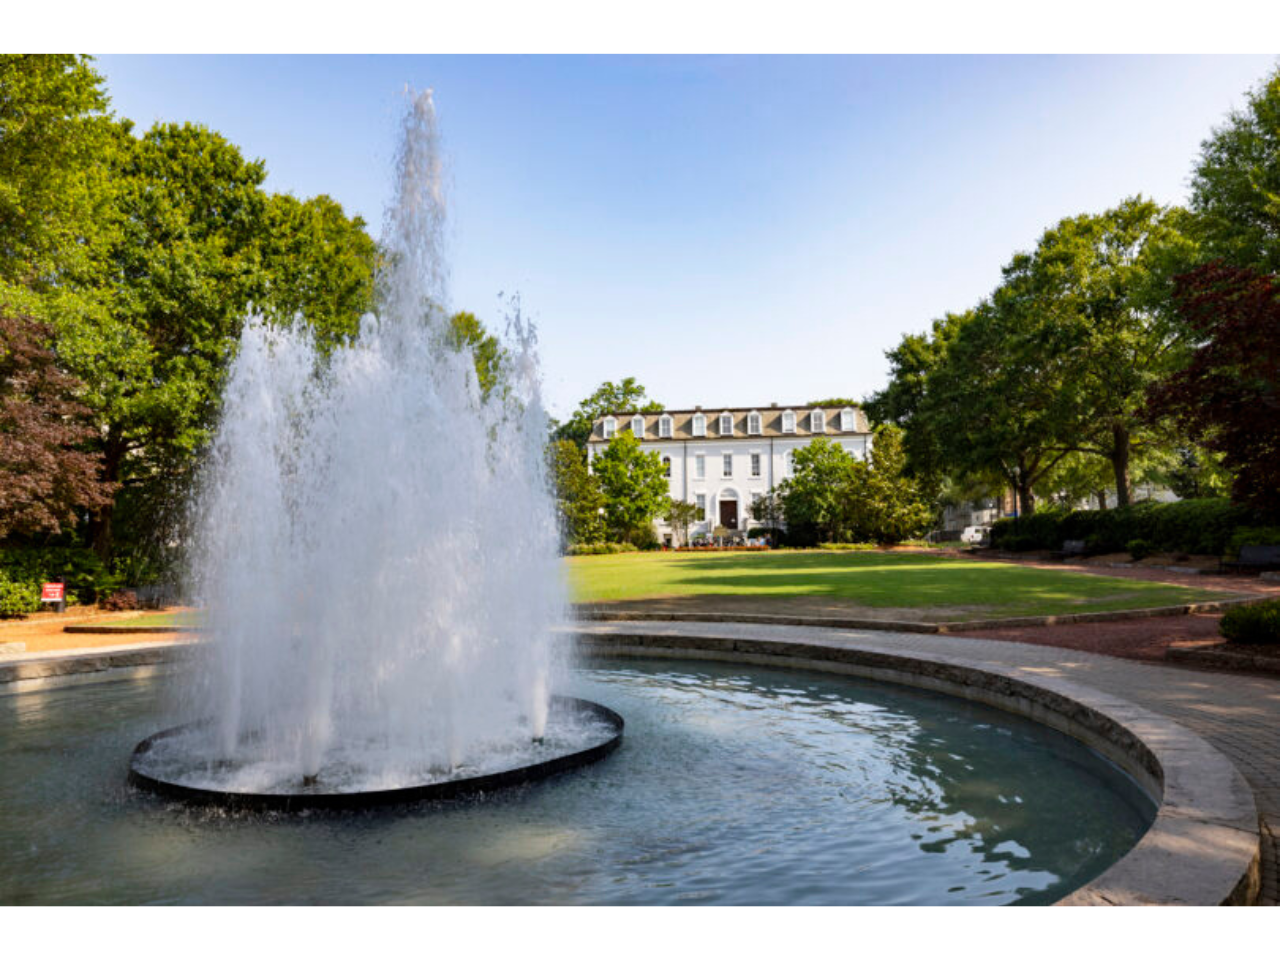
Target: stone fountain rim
{"points": [[1203, 848], [362, 800]]}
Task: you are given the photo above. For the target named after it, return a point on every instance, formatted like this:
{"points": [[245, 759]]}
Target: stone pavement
{"points": [[1238, 714]]}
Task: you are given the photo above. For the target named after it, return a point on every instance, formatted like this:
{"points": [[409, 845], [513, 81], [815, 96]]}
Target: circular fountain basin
{"points": [[735, 784], [579, 732]]}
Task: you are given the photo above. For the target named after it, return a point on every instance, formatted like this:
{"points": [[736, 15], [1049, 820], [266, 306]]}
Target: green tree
{"points": [[768, 509], [903, 401], [54, 132], [680, 514], [1056, 362], [816, 495], [984, 409], [182, 273], [635, 487], [467, 332], [1235, 191], [609, 397], [883, 504], [1089, 313], [578, 495], [317, 265]]}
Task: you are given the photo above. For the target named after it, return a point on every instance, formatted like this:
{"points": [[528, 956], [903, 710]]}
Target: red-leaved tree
{"points": [[45, 472], [1228, 397]]}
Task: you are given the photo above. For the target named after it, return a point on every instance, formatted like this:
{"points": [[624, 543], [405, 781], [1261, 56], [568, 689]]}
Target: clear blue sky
{"points": [[729, 230]]}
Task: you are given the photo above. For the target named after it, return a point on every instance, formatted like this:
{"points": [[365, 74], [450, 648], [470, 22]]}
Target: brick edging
{"points": [[1214, 656]]}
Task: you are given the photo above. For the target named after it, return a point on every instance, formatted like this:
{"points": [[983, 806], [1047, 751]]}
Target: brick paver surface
{"points": [[1238, 714]]}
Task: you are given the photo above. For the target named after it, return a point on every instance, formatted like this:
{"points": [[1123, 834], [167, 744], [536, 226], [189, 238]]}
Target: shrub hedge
{"points": [[597, 549], [18, 597], [1207, 526], [1255, 623], [83, 571]]}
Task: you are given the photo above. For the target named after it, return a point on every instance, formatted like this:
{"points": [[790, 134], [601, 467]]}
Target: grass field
{"points": [[941, 588], [187, 618]]}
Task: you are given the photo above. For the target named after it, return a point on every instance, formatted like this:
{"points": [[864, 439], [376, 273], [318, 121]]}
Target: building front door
{"points": [[729, 514]]}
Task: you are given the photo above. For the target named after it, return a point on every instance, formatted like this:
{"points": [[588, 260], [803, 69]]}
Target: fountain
{"points": [[378, 558]]}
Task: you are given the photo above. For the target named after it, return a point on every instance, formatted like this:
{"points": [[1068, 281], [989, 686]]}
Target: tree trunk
{"points": [[1026, 505], [100, 528], [1101, 496], [1120, 463]]}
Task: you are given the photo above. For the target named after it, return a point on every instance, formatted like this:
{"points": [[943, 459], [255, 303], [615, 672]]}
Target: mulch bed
{"points": [[1132, 639]]}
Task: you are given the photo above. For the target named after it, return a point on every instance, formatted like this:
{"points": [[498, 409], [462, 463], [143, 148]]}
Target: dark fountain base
{"points": [[438, 790]]}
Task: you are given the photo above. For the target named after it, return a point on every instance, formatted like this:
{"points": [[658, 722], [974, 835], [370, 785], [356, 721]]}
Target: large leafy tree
{"points": [[904, 400], [1055, 364], [54, 130], [1228, 395], [885, 504], [578, 495], [182, 274], [634, 484], [317, 264], [1235, 191], [609, 397], [816, 495], [1087, 314], [46, 474], [989, 406]]}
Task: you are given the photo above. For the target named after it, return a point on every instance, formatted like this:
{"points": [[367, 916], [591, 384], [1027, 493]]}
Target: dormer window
{"points": [[609, 427], [637, 426], [846, 420], [817, 422], [699, 424], [726, 424], [664, 426], [788, 421], [753, 423]]}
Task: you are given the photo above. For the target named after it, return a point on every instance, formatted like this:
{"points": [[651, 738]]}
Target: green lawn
{"points": [[190, 618], [871, 579]]}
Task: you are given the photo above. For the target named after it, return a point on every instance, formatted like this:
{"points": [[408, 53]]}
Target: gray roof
{"points": [[770, 423]]}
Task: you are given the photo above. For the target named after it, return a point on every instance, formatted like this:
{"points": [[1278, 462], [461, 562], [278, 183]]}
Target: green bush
{"points": [[1139, 549], [1017, 543], [1254, 623], [18, 597], [848, 546], [598, 549], [84, 573], [1186, 526], [645, 538]]}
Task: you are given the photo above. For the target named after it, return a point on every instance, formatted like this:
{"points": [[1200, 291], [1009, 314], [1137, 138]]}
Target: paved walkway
{"points": [[1238, 714]]}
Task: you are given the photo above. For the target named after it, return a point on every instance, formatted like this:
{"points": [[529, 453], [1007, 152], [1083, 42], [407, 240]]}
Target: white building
{"points": [[724, 459]]}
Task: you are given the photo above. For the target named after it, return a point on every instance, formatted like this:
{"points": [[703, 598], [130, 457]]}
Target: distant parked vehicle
{"points": [[976, 536]]}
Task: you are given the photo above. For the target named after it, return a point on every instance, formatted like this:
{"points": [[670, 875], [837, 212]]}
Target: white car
{"points": [[974, 536]]}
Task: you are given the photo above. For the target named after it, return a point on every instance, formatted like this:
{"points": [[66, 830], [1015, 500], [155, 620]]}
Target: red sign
{"points": [[51, 592]]}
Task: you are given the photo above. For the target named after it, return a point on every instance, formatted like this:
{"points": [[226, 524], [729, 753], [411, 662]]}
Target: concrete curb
{"points": [[1203, 847], [607, 614], [26, 672]]}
